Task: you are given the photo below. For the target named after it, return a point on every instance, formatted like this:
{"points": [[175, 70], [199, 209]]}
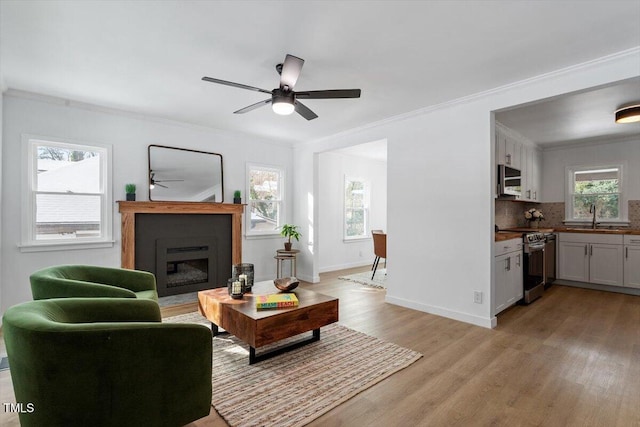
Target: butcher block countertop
{"points": [[514, 233], [507, 235]]}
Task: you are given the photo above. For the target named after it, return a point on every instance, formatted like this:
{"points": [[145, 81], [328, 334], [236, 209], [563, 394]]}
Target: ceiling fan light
{"points": [[283, 108], [630, 114]]}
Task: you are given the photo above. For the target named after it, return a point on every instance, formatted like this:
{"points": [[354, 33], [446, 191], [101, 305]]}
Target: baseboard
{"points": [[344, 266], [489, 322], [594, 286], [309, 279]]}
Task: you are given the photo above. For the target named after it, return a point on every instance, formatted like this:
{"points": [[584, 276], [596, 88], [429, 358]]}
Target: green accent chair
{"points": [[70, 281], [106, 362]]}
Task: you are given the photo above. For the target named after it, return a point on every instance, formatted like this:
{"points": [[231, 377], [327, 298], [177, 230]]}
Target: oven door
{"points": [[534, 272]]}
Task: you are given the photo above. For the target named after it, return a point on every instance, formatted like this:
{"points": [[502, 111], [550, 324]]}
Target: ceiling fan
{"points": [[284, 100], [154, 182]]}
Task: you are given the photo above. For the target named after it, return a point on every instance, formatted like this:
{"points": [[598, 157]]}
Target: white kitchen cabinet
{"points": [[591, 258], [531, 167], [573, 261], [632, 261], [509, 151], [508, 287]]}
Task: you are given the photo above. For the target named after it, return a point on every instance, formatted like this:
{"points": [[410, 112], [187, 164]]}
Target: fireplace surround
{"points": [[188, 246]]}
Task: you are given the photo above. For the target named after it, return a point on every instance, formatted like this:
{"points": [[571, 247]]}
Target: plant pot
{"points": [[287, 246], [237, 200], [131, 197]]}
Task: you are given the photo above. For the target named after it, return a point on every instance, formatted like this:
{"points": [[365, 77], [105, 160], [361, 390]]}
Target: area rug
{"points": [[297, 387], [378, 281]]}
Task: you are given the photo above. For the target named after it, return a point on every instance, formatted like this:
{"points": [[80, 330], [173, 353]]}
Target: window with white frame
{"points": [[356, 208], [69, 193], [265, 199], [600, 187]]}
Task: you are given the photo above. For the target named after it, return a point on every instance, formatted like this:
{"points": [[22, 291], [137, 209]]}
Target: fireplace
{"points": [[188, 246]]}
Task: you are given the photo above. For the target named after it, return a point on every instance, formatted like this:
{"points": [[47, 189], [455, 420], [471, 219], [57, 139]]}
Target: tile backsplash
{"points": [[511, 214]]}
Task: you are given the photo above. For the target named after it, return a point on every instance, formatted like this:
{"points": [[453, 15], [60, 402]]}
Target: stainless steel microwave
{"points": [[509, 181]]}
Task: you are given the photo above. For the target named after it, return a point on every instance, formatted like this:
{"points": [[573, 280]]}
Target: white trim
{"points": [[629, 53], [365, 201], [28, 240], [485, 322], [282, 217], [623, 201], [67, 102], [344, 266]]}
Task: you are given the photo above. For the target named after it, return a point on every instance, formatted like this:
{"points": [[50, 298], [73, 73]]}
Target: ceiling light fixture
{"points": [[629, 114], [282, 102]]}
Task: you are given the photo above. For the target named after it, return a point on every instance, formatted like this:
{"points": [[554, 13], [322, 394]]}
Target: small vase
{"points": [[287, 246], [534, 224], [131, 197]]}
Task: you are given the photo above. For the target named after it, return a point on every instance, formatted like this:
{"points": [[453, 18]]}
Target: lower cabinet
{"points": [[591, 258], [632, 261], [508, 274]]}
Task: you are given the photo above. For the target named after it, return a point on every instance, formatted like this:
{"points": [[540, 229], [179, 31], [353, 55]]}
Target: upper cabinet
{"points": [[519, 153], [531, 179], [509, 151]]}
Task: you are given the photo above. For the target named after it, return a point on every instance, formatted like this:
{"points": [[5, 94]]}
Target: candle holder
{"points": [[234, 286], [244, 271]]}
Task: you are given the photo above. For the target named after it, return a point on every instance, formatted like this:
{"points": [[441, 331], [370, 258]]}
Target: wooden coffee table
{"points": [[261, 327]]}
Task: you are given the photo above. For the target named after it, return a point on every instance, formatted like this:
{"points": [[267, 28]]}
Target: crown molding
{"points": [[21, 94], [635, 51]]}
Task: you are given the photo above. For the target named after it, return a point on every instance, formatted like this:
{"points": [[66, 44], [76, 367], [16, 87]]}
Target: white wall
{"points": [[334, 253], [440, 190], [130, 136], [556, 160]]}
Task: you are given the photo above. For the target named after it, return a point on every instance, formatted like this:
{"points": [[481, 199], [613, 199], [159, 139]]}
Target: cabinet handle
{"points": [[508, 264], [590, 250], [626, 252], [585, 250], [508, 159], [518, 260], [535, 195], [528, 194]]}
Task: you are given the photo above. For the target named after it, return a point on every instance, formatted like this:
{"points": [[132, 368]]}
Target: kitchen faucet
{"points": [[592, 210]]}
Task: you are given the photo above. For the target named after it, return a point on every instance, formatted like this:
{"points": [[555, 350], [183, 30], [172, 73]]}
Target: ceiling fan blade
{"points": [[290, 71], [159, 185], [304, 111], [329, 94], [253, 106], [232, 84], [169, 180]]}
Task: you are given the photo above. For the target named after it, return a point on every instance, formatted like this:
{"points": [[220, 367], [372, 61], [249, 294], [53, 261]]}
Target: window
{"points": [[356, 208], [265, 190], [599, 186], [69, 193]]}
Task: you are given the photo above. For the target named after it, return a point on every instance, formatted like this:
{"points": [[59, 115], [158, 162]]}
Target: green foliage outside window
{"points": [[604, 193]]}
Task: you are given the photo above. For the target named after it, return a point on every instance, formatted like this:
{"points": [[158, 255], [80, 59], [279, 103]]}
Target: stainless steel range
{"points": [[534, 266]]}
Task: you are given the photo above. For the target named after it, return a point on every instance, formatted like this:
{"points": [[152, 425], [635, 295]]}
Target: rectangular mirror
{"points": [[182, 175]]}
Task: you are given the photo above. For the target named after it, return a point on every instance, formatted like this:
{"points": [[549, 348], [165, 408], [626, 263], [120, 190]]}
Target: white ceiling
{"points": [[149, 57], [576, 117]]}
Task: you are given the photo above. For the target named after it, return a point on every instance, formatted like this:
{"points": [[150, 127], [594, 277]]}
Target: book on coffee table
{"points": [[264, 302]]}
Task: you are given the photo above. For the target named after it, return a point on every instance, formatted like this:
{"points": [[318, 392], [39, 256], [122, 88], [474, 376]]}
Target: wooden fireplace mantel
{"points": [[128, 211]]}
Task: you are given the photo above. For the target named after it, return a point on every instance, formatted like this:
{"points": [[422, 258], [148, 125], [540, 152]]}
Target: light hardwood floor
{"points": [[571, 358]]}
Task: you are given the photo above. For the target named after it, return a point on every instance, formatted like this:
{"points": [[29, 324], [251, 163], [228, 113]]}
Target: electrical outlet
{"points": [[477, 297]]}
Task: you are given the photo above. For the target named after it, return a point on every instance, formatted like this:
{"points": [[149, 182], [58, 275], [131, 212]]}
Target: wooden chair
{"points": [[379, 249]]}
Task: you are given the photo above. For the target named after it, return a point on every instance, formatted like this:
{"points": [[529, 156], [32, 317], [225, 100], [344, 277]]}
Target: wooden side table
{"points": [[284, 255]]}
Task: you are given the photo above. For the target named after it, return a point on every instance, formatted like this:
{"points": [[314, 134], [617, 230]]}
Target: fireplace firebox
{"points": [[187, 253]]}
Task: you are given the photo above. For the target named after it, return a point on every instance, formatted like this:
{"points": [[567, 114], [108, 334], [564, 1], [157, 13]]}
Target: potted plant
{"points": [[290, 231], [130, 189], [236, 197]]}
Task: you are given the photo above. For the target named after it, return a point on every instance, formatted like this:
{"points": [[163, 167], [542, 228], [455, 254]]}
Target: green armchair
{"points": [[106, 362], [70, 281]]}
